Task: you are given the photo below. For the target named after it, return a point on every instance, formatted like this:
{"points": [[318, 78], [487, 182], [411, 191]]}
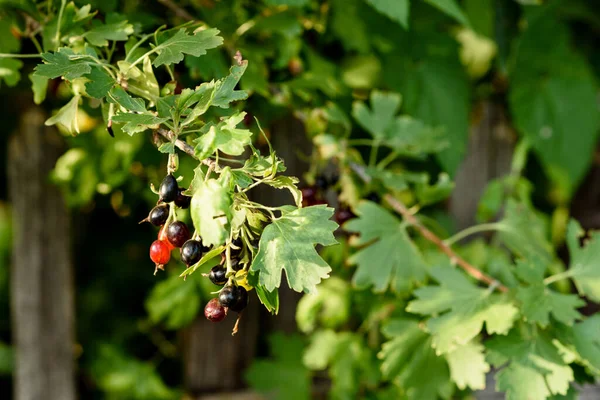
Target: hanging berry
{"points": [[158, 215], [217, 275], [214, 311], [182, 201], [178, 233], [168, 189], [160, 253], [191, 252]]}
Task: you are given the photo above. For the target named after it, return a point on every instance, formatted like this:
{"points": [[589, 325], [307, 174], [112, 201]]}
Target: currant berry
{"points": [[242, 301], [158, 215], [342, 215], [160, 252], [309, 196], [229, 296], [236, 249], [182, 201], [168, 189], [214, 311], [162, 235], [178, 233], [191, 252], [235, 264], [217, 275], [321, 182]]}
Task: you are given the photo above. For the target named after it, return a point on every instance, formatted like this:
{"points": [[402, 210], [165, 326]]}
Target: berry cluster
{"points": [[175, 234]]}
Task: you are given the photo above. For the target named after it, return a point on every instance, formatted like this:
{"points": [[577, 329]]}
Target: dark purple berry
{"points": [[321, 182], [235, 264], [342, 215], [191, 252], [178, 233], [182, 201], [309, 196], [229, 296], [158, 215], [242, 301], [214, 311], [168, 189], [217, 275]]}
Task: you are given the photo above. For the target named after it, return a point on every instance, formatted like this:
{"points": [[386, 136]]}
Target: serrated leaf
{"points": [[59, 63], [213, 256], [119, 96], [585, 261], [201, 98], [587, 341], [468, 308], [392, 259], [408, 359], [100, 82], [137, 122], [535, 368], [39, 86], [9, 71], [539, 301], [67, 116], [167, 147], [396, 10], [330, 306], [467, 366], [174, 301], [283, 375], [171, 51], [410, 136], [268, 299], [225, 90], [380, 118], [211, 210], [289, 183], [224, 137], [287, 243], [115, 28], [451, 8]]}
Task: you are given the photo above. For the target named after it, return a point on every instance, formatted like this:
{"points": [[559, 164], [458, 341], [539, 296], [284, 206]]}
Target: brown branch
{"points": [[180, 12], [183, 146], [400, 208]]}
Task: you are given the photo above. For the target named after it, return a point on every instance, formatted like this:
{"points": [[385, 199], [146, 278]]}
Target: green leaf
{"points": [[348, 24], [9, 71], [289, 183], [7, 361], [467, 366], [330, 306], [284, 376], [201, 98], [409, 359], [409, 136], [553, 95], [171, 51], [269, 299], [224, 137], [174, 301], [467, 306], [167, 147], [384, 107], [60, 63], [225, 90], [535, 369], [288, 244], [119, 96], [450, 8], [208, 260], [585, 261], [8, 42], [39, 86], [321, 350], [290, 3], [115, 28], [100, 82], [211, 210], [587, 341], [392, 259], [137, 122], [396, 10], [67, 116], [538, 302], [142, 80]]}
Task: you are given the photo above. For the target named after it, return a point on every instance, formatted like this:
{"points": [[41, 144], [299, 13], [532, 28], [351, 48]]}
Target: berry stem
{"points": [[183, 146], [400, 208]]}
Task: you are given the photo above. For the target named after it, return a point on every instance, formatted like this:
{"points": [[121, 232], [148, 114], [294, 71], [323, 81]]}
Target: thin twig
{"points": [[180, 12], [399, 207], [183, 146]]}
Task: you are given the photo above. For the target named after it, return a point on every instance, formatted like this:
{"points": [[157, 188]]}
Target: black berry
{"points": [[236, 249], [182, 201], [214, 311], [321, 182], [168, 189], [229, 296], [191, 252], [235, 264], [343, 215], [242, 301], [158, 215], [217, 275], [309, 196], [178, 233]]}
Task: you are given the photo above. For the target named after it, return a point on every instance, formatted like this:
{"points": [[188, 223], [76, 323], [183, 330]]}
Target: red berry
{"points": [[160, 252], [214, 311], [309, 196], [178, 233], [162, 235]]}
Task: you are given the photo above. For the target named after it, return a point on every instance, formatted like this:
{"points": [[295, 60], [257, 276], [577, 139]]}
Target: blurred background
{"points": [[486, 71]]}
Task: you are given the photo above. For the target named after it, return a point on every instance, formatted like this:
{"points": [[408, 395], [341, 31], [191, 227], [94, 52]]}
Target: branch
{"points": [[180, 12], [399, 207], [183, 146]]}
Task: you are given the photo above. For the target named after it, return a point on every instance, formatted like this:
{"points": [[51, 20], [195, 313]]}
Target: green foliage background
{"points": [[405, 77]]}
